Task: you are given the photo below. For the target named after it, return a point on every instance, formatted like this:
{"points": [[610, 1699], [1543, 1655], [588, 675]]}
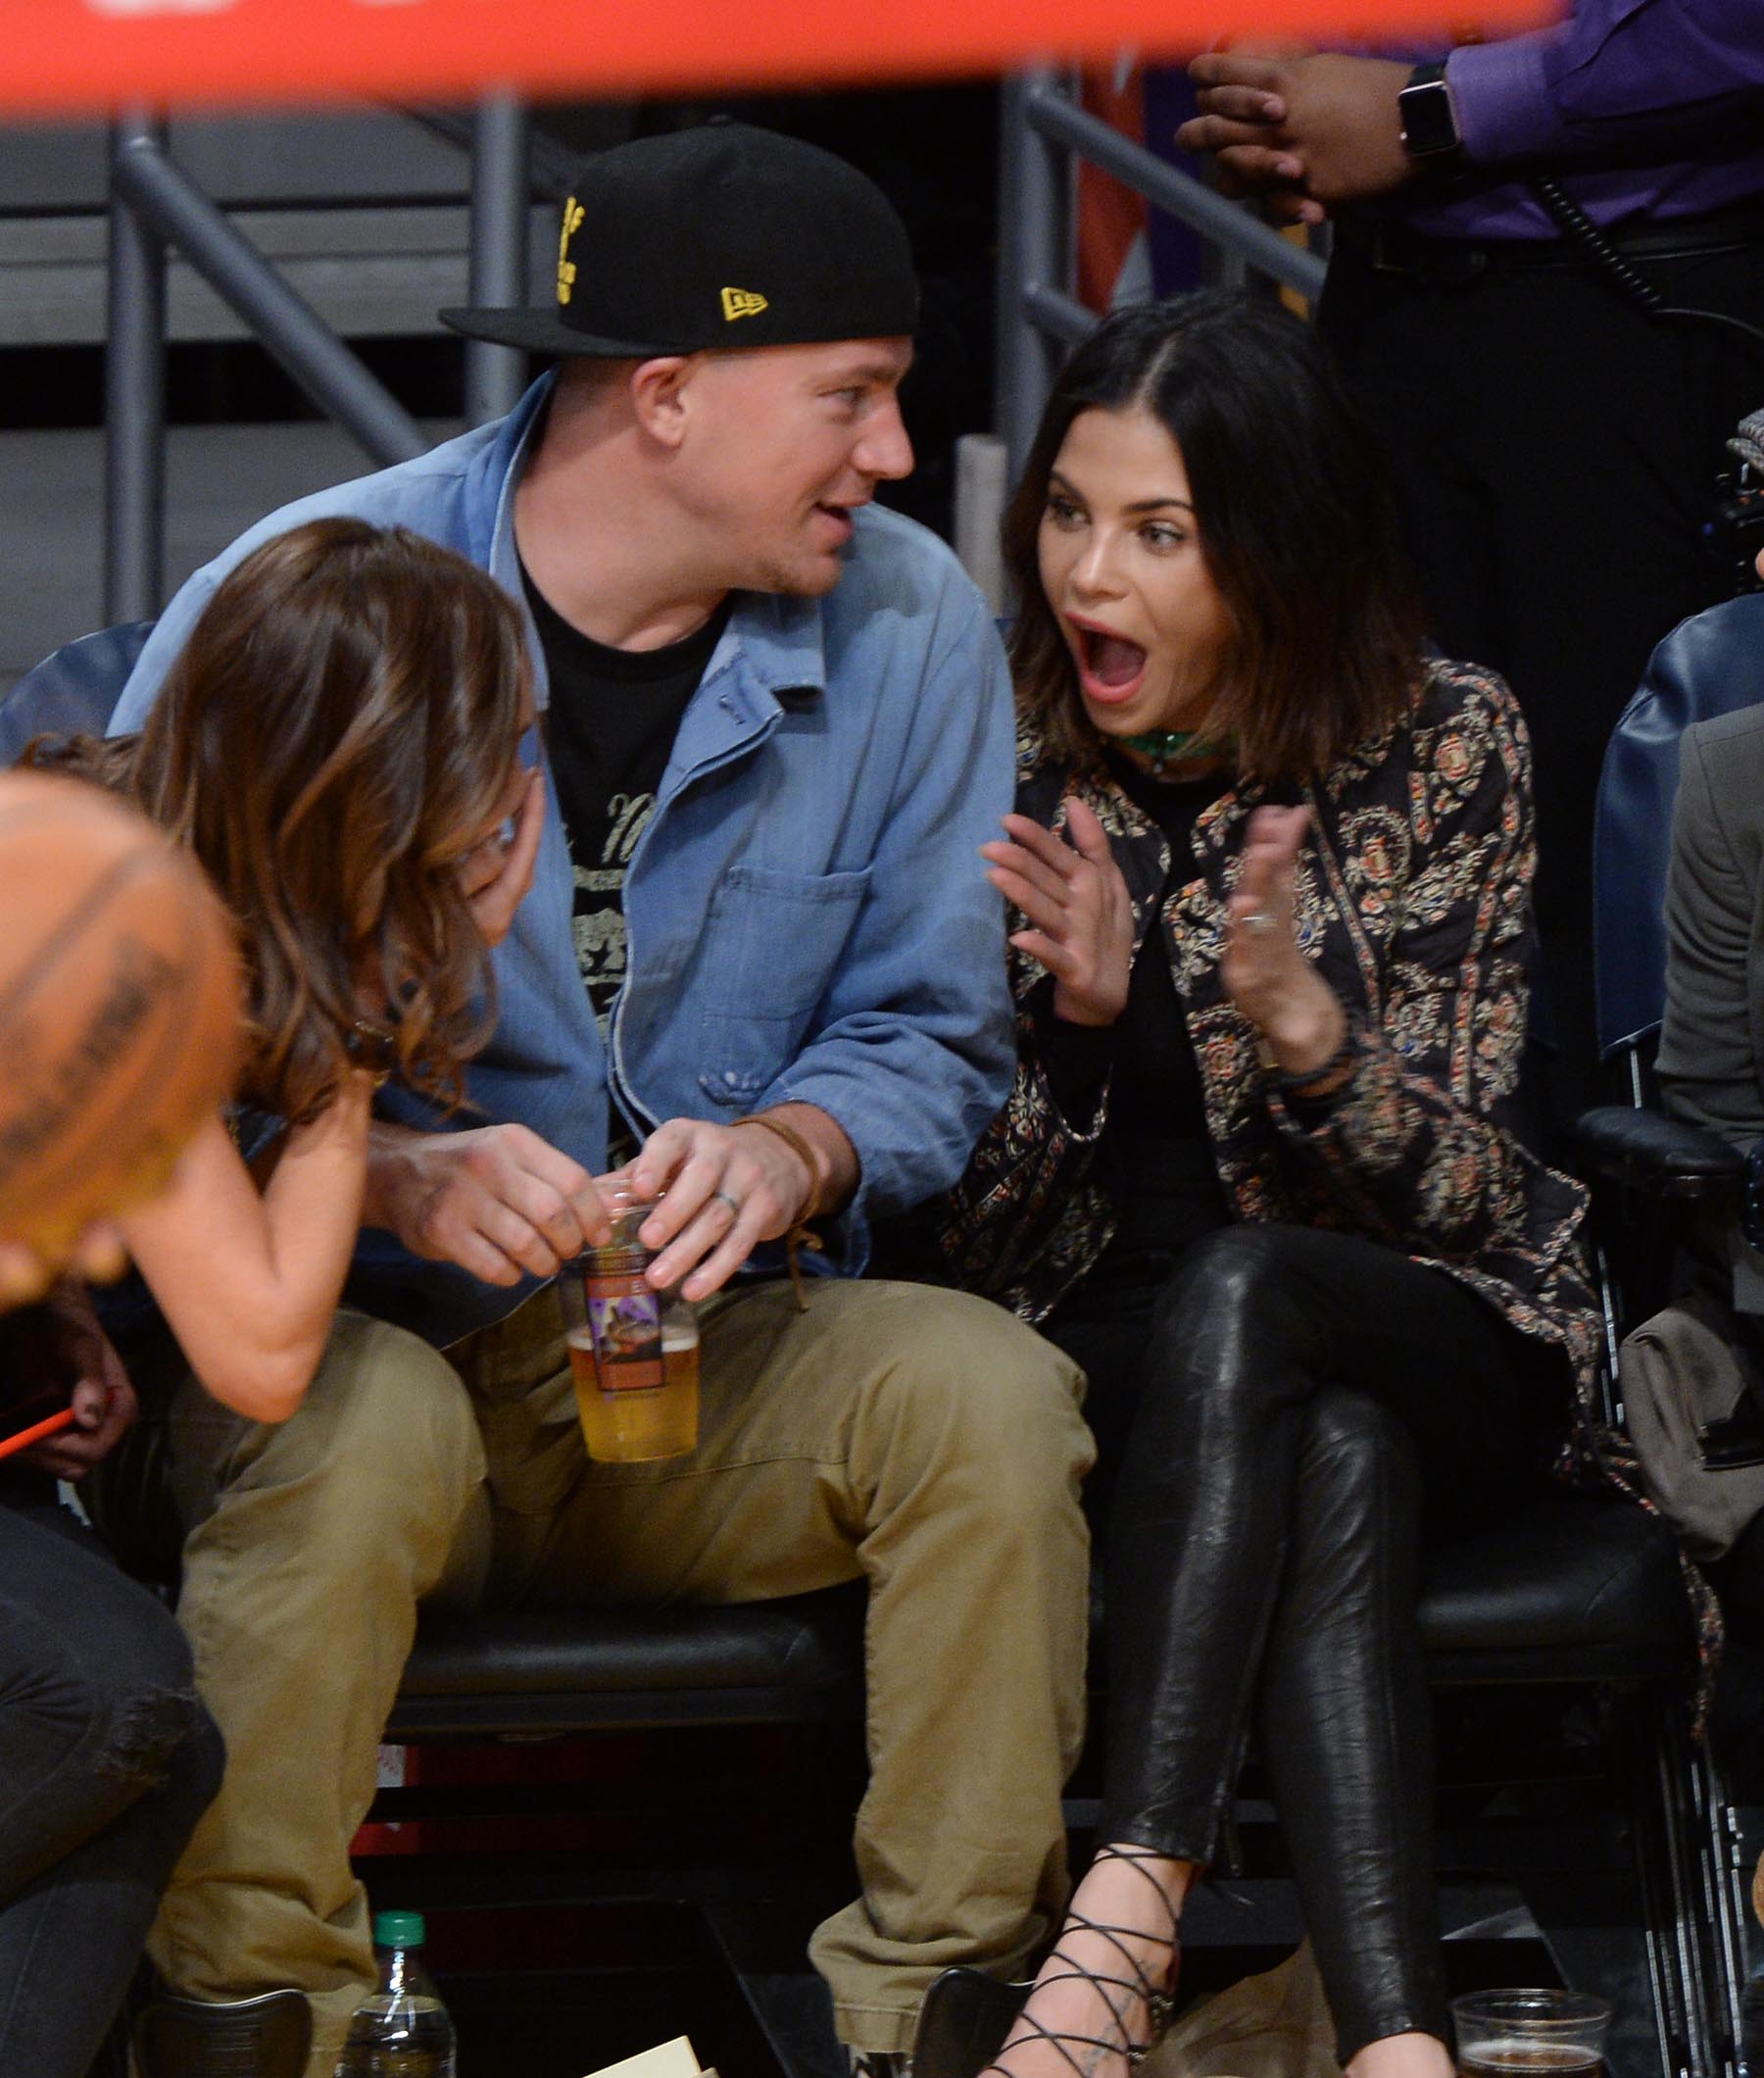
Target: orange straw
{"points": [[35, 1433]]}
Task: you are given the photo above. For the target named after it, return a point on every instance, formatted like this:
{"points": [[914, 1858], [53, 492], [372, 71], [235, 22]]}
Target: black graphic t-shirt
{"points": [[610, 729]]}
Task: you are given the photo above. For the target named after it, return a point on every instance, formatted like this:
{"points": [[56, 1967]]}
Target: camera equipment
{"points": [[1736, 531]]}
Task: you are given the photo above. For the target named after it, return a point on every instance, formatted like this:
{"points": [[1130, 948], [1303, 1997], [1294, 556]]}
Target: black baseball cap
{"points": [[720, 236]]}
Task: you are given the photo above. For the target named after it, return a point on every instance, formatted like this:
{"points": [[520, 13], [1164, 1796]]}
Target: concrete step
{"points": [[379, 272]]}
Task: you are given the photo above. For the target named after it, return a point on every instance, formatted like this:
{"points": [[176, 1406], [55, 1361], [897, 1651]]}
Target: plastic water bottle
{"points": [[401, 2030]]}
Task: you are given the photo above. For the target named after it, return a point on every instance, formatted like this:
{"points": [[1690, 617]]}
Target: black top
{"points": [[1154, 1159], [611, 730]]}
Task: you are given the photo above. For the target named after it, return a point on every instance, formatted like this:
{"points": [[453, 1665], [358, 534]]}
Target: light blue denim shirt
{"points": [[806, 918]]}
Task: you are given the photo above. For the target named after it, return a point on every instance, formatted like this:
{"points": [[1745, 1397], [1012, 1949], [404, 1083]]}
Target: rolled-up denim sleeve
{"points": [[913, 1050]]}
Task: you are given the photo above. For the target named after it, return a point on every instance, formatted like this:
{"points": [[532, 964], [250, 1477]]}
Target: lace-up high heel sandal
{"points": [[1139, 2000]]}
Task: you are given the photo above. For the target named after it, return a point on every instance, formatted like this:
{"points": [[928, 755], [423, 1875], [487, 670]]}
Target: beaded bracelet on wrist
{"points": [[1291, 1083], [372, 1048]]}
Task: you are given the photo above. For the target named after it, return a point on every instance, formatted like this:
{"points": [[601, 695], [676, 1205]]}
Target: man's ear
{"points": [[660, 396]]}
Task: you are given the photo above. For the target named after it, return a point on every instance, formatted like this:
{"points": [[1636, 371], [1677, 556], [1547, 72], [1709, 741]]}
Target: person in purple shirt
{"points": [[1557, 446]]}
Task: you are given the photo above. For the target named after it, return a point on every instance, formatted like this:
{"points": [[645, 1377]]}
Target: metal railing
{"points": [[155, 208], [500, 205], [1044, 133]]}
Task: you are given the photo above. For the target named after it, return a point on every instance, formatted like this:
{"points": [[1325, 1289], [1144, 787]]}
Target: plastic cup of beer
{"points": [[633, 1351], [1527, 2033]]}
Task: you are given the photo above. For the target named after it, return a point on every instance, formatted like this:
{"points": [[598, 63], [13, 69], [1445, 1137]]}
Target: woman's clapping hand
{"points": [[1076, 901], [1265, 971]]}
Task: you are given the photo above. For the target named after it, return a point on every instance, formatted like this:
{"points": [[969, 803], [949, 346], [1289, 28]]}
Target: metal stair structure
{"points": [[362, 216]]}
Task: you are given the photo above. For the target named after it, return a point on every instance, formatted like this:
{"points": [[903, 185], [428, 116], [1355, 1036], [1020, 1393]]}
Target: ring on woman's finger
{"points": [[733, 1204], [1259, 921]]}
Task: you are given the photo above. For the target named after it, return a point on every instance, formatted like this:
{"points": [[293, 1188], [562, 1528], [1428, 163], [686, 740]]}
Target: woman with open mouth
{"points": [[1272, 867]]}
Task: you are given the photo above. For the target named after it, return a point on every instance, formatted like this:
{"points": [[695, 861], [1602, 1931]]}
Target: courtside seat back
{"points": [[73, 691]]}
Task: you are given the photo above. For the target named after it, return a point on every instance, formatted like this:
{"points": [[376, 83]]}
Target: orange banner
{"points": [[68, 56]]}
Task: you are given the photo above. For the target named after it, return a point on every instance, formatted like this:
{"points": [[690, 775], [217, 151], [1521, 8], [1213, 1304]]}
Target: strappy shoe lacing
{"points": [[1156, 1994]]}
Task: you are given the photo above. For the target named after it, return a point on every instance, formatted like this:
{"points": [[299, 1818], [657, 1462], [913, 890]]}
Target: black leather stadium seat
{"points": [[1582, 1587], [765, 1662]]}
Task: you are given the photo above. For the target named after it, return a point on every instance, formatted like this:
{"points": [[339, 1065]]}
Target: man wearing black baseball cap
{"points": [[760, 972]]}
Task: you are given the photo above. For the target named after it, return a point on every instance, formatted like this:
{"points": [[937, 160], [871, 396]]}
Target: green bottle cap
{"points": [[404, 1930]]}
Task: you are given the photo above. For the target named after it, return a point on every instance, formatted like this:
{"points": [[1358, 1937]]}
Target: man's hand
{"points": [[498, 1201], [497, 878], [102, 1398], [1309, 129], [730, 1188]]}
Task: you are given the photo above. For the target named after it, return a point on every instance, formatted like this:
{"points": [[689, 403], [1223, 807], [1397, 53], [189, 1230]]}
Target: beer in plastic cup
{"points": [[1531, 2033], [633, 1351]]}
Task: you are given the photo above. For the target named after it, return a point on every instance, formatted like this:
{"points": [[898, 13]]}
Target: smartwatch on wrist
{"points": [[1429, 118]]}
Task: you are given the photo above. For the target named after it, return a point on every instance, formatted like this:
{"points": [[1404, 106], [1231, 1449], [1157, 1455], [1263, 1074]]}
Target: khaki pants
{"points": [[919, 1439]]}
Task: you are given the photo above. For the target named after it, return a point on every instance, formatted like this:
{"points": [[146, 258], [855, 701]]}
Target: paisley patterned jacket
{"points": [[1413, 899]]}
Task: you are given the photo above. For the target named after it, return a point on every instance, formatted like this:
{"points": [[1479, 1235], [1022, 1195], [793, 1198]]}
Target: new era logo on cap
{"points": [[741, 303]]}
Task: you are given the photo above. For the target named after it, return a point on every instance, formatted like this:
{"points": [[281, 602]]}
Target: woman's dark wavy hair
{"points": [[339, 729], [1295, 517]]}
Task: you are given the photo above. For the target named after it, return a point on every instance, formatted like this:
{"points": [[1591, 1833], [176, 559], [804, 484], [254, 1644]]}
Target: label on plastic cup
{"points": [[624, 1318]]}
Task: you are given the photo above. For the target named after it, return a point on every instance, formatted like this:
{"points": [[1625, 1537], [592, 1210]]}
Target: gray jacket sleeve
{"points": [[1708, 1062]]}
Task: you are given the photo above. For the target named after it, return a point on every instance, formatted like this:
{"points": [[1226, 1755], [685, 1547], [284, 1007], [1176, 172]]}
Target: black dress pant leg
{"points": [[1556, 452], [107, 1761]]}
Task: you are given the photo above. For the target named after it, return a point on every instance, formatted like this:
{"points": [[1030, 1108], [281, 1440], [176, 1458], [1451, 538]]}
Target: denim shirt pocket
{"points": [[774, 941]]}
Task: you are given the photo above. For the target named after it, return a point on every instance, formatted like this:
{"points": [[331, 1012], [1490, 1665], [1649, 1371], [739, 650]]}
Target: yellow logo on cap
{"points": [[741, 303], [573, 216]]}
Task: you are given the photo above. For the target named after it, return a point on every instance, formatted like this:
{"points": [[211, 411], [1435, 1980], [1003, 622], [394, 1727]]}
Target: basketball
{"points": [[119, 1007]]}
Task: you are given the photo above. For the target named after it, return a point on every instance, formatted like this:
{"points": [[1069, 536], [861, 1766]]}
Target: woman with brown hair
{"points": [[1256, 1174], [339, 745]]}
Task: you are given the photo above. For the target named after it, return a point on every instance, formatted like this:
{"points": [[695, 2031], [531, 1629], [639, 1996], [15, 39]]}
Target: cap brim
{"points": [[542, 331]]}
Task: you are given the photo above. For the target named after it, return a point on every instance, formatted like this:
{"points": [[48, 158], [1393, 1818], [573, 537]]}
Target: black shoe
{"points": [[963, 2023], [269, 2035]]}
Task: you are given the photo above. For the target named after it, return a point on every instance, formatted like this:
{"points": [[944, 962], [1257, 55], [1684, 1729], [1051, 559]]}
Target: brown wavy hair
{"points": [[337, 733], [1295, 517]]}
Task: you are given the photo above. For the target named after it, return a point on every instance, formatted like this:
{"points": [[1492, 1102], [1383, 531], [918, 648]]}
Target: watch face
{"points": [[1429, 121]]}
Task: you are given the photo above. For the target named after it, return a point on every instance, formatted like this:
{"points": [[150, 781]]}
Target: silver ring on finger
{"points": [[734, 1203], [1259, 921]]}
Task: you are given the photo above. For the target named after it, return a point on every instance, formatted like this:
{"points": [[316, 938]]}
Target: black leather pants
{"points": [[1280, 1411]]}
